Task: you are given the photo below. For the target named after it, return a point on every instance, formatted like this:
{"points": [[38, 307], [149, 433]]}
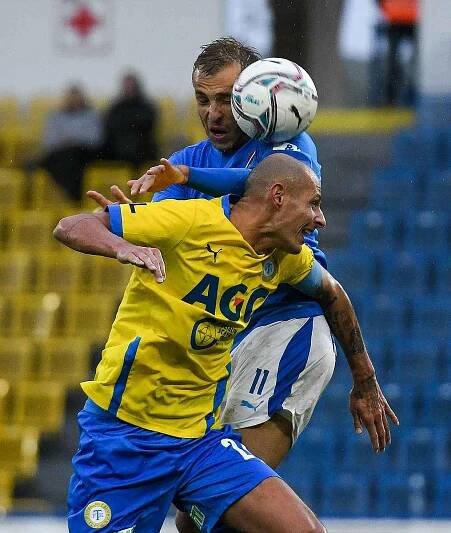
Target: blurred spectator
{"points": [[129, 125], [399, 29], [72, 136]]}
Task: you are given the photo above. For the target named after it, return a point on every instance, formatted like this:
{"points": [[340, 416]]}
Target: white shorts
{"points": [[280, 368]]}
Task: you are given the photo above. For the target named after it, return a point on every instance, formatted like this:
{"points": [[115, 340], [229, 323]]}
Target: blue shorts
{"points": [[126, 477]]}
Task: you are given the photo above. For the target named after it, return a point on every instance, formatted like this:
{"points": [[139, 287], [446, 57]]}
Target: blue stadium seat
{"points": [[436, 402], [419, 448], [358, 455], [374, 230], [346, 495], [384, 314], [305, 483], [441, 267], [416, 359], [427, 230], [401, 495], [419, 147], [354, 270], [431, 317], [442, 496], [402, 399], [437, 190], [332, 408], [394, 188], [406, 272]]}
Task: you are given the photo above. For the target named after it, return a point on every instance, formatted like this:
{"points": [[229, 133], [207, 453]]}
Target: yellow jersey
{"points": [[167, 359]]}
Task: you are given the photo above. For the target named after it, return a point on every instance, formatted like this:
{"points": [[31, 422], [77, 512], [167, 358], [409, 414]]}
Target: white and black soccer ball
{"points": [[274, 99]]}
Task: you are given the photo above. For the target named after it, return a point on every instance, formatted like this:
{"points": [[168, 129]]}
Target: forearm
{"points": [[343, 323], [218, 181], [88, 234]]}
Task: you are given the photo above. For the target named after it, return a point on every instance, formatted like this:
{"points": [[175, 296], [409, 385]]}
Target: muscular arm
{"points": [[367, 403], [90, 234]]}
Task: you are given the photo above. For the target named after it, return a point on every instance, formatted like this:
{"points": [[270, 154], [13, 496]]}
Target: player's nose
{"points": [[320, 219]]}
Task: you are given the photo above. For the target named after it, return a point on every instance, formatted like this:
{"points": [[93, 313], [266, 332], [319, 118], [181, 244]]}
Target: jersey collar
{"points": [[227, 201]]}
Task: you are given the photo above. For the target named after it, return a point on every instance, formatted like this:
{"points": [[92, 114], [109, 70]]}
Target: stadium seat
{"points": [[405, 273], [441, 266], [16, 359], [15, 271], [169, 133], [357, 454], [31, 230], [44, 193], [90, 317], [400, 495], [402, 398], [419, 147], [12, 188], [419, 448], [431, 317], [105, 274], [332, 406], [354, 270], [436, 402], [32, 400], [384, 313], [18, 450], [6, 491], [58, 271], [346, 495], [10, 111], [416, 359], [38, 111], [36, 316], [427, 230], [63, 360], [437, 191], [374, 230], [442, 495], [101, 176], [301, 480], [395, 188]]}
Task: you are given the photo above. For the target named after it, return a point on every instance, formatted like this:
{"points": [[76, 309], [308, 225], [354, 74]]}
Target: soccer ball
{"points": [[274, 99]]}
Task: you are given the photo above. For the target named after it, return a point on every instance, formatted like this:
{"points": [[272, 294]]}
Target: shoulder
{"points": [[190, 154]]}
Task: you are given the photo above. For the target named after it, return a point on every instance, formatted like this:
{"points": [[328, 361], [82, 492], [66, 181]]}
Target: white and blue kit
{"points": [[284, 359]]}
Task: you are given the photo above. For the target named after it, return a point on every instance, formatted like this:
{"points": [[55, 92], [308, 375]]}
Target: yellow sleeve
{"points": [[163, 224], [296, 267]]}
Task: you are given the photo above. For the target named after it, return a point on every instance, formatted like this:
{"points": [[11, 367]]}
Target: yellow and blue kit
{"points": [[150, 432]]}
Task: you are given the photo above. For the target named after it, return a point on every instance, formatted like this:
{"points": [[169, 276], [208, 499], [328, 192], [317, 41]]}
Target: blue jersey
{"points": [[286, 302]]}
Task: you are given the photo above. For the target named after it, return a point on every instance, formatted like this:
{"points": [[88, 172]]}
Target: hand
{"points": [[143, 257], [159, 178], [369, 408], [117, 193]]}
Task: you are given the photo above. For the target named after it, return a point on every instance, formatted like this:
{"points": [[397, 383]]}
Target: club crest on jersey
{"points": [[206, 333], [97, 514], [287, 146], [269, 269]]}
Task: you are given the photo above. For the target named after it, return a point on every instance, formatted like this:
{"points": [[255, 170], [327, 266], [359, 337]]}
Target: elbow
{"points": [[60, 233]]}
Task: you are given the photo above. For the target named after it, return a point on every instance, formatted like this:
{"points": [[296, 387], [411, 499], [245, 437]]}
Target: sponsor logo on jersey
{"points": [[97, 514], [287, 146], [197, 516]]}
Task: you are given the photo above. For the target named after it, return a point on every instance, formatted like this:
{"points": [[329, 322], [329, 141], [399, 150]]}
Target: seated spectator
{"points": [[72, 137], [129, 125]]}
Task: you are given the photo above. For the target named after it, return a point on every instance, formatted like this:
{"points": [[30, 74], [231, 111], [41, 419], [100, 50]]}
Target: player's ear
{"points": [[277, 192]]}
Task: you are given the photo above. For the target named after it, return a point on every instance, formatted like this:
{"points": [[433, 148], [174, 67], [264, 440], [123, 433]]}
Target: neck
{"points": [[251, 221]]}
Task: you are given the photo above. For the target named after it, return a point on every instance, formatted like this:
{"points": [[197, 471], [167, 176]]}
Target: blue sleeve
{"points": [[114, 211], [218, 181], [312, 282], [173, 192]]}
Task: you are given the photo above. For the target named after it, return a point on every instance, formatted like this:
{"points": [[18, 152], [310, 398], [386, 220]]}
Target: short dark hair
{"points": [[223, 52]]}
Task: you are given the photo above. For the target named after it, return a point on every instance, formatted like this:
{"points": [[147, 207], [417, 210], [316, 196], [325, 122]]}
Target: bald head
{"points": [[279, 168]]}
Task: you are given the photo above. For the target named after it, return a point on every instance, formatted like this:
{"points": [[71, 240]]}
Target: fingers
{"points": [[143, 257], [119, 195], [99, 198], [145, 182], [357, 423], [389, 411]]}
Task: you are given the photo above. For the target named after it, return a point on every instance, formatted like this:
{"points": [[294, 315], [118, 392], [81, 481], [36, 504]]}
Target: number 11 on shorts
{"points": [[259, 380]]}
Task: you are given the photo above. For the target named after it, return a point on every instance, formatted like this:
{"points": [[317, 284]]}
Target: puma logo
{"points": [[214, 252], [249, 405]]}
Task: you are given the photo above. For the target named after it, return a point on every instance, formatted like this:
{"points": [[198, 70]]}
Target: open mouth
{"points": [[217, 132]]}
